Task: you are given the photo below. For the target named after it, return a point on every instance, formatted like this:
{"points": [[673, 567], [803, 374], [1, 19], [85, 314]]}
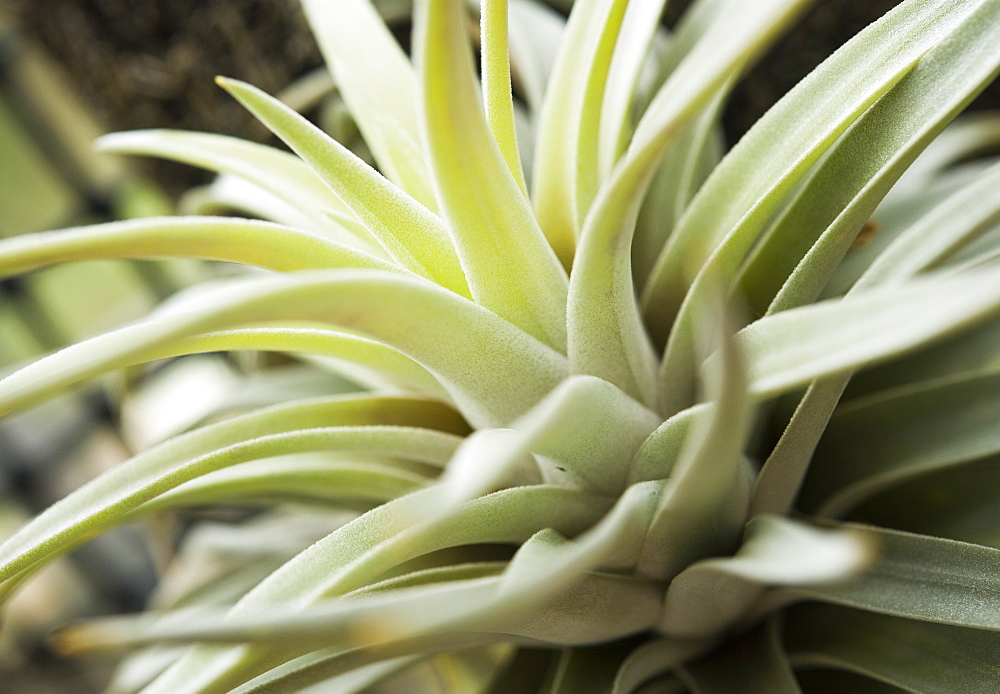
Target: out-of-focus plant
{"points": [[641, 417]]}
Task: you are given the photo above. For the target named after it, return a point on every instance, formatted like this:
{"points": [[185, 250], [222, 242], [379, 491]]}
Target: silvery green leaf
{"points": [[877, 442], [262, 244], [754, 663], [280, 173], [510, 267], [384, 209], [915, 656], [379, 85]]}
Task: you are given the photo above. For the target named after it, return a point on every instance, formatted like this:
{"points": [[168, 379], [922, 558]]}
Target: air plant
{"points": [[636, 417]]}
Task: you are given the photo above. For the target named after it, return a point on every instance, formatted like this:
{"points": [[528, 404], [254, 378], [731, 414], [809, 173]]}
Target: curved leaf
{"points": [[510, 267], [390, 308], [245, 241], [378, 83], [409, 232]]}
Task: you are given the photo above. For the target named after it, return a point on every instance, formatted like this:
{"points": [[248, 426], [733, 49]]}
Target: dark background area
{"points": [[150, 63]]}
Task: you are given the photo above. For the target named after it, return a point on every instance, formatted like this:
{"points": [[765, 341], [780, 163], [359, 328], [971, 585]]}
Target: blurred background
{"points": [[73, 69]]}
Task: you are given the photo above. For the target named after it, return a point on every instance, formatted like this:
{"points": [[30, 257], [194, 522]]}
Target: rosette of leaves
{"points": [[640, 415]]}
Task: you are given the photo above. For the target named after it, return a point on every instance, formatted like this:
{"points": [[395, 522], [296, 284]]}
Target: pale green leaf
{"points": [[653, 658], [754, 663], [703, 508], [791, 348], [510, 267], [497, 97], [245, 241], [915, 656], [378, 83], [566, 152], [783, 271], [536, 33], [299, 478], [279, 173], [390, 308], [940, 233], [877, 442], [712, 594], [733, 206], [606, 334], [926, 578], [407, 230], [365, 423]]}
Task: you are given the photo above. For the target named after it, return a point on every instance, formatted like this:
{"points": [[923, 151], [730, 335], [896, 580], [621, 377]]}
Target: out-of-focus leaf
{"points": [[915, 656], [755, 663], [379, 85]]}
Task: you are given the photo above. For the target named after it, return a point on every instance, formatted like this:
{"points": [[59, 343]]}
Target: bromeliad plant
{"points": [[647, 419]]}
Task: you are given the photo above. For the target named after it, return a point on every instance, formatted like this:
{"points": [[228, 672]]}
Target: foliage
{"points": [[626, 405]]}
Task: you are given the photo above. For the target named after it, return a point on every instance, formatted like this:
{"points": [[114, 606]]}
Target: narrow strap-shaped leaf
{"points": [[382, 365], [620, 604], [754, 663], [390, 308], [783, 271], [915, 656], [793, 347], [497, 98], [712, 594], [407, 230], [878, 442], [383, 537], [229, 239], [639, 26], [106, 498], [588, 670], [309, 478], [606, 334], [729, 212], [960, 219], [702, 510], [926, 578], [558, 165], [582, 432], [280, 173], [654, 657], [379, 85], [510, 267], [536, 32]]}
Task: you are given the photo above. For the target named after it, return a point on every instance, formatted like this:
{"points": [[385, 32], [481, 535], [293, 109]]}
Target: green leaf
{"points": [[377, 364], [915, 656], [731, 209], [567, 169], [791, 348], [297, 478], [382, 538], [407, 230], [510, 267], [282, 174], [654, 657], [713, 594], [950, 226], [704, 506], [925, 578], [390, 308], [497, 98], [353, 423], [864, 164], [588, 670], [378, 83], [606, 335], [245, 241], [878, 442], [583, 434], [754, 663]]}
